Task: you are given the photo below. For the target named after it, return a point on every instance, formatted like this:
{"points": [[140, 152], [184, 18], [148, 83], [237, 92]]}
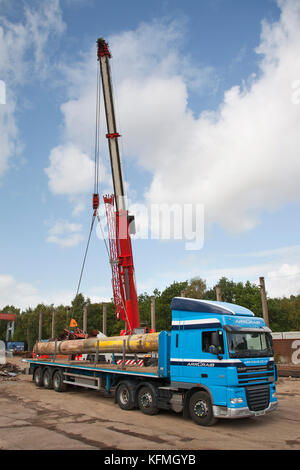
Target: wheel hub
{"points": [[201, 408], [124, 396], [146, 400]]}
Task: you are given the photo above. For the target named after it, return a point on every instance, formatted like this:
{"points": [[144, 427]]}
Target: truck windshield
{"points": [[249, 344]]}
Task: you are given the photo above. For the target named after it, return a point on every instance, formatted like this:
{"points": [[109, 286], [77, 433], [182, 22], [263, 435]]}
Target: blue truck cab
{"points": [[225, 352]]}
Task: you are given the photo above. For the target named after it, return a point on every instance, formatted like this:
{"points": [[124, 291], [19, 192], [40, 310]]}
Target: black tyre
{"points": [[147, 400], [58, 381], [125, 396], [47, 378], [200, 408], [38, 376]]}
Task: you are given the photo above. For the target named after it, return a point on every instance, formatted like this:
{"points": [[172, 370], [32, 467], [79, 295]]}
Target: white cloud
{"points": [[284, 251], [24, 50], [71, 164], [136, 53], [25, 45], [25, 295], [65, 233], [239, 160], [41, 24], [281, 270], [79, 206], [15, 293], [279, 266], [283, 280], [9, 144], [71, 171]]}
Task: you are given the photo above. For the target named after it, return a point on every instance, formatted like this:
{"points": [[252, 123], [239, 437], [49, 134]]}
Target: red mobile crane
{"points": [[120, 224]]}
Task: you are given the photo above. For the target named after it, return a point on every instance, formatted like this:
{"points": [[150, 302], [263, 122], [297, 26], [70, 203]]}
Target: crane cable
{"points": [[96, 191], [96, 177], [85, 254]]}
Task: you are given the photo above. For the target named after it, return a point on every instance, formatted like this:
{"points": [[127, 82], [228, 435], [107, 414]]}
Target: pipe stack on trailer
{"points": [[116, 344]]}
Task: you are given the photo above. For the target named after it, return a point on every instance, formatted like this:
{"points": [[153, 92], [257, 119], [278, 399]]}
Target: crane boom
{"points": [[112, 134], [118, 220]]}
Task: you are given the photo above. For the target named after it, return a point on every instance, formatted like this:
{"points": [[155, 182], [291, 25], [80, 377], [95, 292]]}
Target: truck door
{"points": [[212, 353], [203, 356], [176, 365]]}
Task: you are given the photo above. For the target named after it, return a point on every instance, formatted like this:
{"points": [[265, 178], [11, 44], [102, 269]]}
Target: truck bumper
{"points": [[224, 412]]}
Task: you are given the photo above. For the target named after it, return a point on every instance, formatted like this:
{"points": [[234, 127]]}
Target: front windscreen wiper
{"points": [[242, 354]]}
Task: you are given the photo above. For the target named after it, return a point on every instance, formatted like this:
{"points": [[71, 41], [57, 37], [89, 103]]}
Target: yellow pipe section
{"points": [[115, 344]]}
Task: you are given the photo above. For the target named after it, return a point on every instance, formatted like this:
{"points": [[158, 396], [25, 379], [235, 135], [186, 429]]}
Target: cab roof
{"points": [[209, 306]]}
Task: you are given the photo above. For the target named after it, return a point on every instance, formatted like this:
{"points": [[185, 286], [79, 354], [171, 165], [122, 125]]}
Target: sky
{"points": [[207, 98]]}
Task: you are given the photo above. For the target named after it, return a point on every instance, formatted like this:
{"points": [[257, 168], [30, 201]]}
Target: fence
{"points": [[287, 347]]}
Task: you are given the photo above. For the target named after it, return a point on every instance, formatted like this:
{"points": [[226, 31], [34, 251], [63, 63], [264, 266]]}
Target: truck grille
{"points": [[255, 374], [258, 397]]}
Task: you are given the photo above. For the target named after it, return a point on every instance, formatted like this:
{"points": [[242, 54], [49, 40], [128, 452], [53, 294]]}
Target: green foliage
{"points": [[196, 288], [284, 313]]}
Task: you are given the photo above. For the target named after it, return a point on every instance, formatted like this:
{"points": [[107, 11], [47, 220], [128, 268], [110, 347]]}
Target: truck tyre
{"points": [[47, 378], [200, 409], [124, 396], [147, 400], [38, 377], [58, 381]]}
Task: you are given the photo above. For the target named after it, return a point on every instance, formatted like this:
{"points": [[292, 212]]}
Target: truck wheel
{"points": [[58, 382], [200, 409], [124, 396], [38, 377], [147, 400], [47, 378]]}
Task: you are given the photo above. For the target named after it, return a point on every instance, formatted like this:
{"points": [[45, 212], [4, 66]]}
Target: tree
{"points": [[163, 303], [196, 288], [284, 313]]}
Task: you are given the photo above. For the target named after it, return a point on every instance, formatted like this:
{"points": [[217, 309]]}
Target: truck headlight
{"points": [[236, 400]]}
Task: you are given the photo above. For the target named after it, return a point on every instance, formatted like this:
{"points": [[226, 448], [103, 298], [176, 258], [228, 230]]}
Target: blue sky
{"points": [[207, 100]]}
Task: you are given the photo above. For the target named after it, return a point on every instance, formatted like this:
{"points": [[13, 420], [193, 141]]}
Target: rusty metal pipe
{"points": [[133, 344]]}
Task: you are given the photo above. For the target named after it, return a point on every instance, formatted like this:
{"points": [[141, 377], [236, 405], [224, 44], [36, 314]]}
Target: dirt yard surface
{"points": [[34, 418]]}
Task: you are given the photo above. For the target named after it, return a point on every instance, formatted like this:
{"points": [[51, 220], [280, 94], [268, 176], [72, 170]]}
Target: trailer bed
{"points": [[99, 367]]}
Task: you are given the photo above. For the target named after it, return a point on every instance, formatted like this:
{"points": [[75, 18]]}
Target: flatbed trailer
{"points": [[132, 386], [216, 362], [92, 370]]}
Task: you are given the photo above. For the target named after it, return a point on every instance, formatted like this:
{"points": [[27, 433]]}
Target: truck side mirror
{"points": [[216, 342]]}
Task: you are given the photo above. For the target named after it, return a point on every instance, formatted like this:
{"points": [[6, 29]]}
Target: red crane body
{"points": [[118, 220]]}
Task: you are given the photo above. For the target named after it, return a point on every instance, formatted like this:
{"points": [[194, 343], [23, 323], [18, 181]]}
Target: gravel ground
{"points": [[34, 418]]}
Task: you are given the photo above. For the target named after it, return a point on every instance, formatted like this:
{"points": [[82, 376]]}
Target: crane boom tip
{"points": [[103, 49]]}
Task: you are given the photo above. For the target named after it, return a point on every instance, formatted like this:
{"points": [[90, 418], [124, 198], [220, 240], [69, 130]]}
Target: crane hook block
{"points": [[95, 201]]}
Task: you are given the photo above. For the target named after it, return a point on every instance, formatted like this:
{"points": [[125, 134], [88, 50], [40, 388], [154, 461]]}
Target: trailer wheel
{"points": [[38, 377], [58, 382], [47, 378], [124, 396], [200, 408], [147, 400]]}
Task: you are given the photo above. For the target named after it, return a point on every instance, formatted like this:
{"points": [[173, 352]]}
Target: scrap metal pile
{"points": [[77, 333], [9, 371]]}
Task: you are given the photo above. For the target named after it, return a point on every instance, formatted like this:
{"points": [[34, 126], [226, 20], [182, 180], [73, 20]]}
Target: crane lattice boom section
{"points": [[118, 292]]}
